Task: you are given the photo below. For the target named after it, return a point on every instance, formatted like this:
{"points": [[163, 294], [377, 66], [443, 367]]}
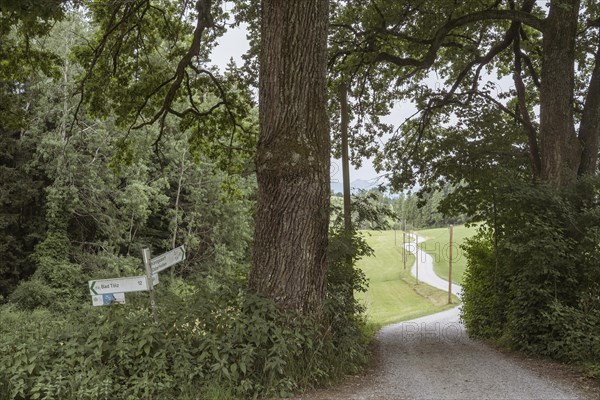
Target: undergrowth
{"points": [[532, 283], [216, 342]]}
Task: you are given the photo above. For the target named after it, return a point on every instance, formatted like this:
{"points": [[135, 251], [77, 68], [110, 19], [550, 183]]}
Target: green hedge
{"points": [[535, 285], [223, 343]]}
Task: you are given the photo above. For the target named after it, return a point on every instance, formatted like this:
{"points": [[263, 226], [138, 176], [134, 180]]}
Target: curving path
{"points": [[426, 273], [432, 358]]}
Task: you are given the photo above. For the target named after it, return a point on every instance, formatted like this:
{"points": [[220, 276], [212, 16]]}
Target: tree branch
{"points": [[204, 21], [436, 43], [129, 10], [534, 152], [531, 69], [589, 129]]}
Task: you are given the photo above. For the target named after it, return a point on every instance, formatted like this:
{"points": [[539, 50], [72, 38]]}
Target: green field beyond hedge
{"points": [[393, 294], [437, 245]]}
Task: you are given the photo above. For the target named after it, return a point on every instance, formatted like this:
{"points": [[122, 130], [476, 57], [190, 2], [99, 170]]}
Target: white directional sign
{"points": [[108, 299], [167, 259], [118, 285]]}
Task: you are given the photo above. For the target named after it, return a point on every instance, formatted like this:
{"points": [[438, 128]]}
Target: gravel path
{"points": [[432, 358], [426, 273]]}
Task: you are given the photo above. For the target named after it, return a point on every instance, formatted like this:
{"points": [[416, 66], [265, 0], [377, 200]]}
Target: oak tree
{"points": [[389, 48], [292, 161]]}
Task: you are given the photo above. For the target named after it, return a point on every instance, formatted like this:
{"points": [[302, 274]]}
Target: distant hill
{"points": [[355, 186]]}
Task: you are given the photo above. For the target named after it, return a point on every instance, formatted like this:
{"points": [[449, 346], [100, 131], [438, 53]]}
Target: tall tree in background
{"points": [[125, 63], [551, 53], [290, 244], [21, 187]]}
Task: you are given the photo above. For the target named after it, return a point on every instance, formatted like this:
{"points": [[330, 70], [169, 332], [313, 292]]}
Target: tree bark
{"points": [[589, 130], [560, 147], [292, 161], [344, 122]]}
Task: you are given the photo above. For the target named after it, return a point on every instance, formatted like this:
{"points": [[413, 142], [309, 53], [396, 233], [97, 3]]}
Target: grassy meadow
{"points": [[393, 294], [437, 245]]}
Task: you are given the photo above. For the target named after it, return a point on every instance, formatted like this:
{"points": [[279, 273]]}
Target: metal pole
{"points": [[146, 258], [417, 255], [404, 244], [450, 269]]}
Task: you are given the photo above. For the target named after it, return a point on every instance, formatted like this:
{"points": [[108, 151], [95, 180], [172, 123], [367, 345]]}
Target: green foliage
{"points": [[374, 210], [21, 217], [426, 209], [537, 289], [210, 343], [32, 294], [22, 23], [484, 309], [573, 334], [84, 193], [370, 210], [344, 280], [108, 189]]}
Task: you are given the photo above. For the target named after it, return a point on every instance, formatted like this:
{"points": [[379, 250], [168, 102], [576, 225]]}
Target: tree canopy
{"points": [[391, 51]]}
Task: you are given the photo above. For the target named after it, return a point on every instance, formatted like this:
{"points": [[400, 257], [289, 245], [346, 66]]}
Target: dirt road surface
{"points": [[433, 358]]}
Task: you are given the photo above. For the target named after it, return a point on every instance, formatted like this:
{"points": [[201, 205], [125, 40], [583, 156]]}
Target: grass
{"points": [[437, 246], [393, 294]]}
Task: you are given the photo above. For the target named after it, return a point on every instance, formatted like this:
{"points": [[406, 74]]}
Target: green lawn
{"points": [[437, 246], [393, 294]]}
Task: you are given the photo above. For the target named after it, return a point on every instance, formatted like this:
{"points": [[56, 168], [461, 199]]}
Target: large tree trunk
{"points": [[292, 217], [560, 147]]}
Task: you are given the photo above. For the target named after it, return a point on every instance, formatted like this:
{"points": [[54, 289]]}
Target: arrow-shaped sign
{"points": [[118, 285], [167, 259]]}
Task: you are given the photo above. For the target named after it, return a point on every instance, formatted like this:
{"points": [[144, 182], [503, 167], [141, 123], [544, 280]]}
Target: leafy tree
{"points": [[525, 160], [386, 48], [81, 199], [125, 64], [21, 199]]}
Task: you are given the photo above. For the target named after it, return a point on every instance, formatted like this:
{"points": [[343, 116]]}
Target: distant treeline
{"points": [[413, 210]]}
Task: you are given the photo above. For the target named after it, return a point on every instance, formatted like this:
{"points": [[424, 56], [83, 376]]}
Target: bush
{"points": [[537, 290], [215, 344], [483, 311], [32, 294], [574, 334]]}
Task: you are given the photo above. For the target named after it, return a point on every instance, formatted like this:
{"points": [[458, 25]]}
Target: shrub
{"points": [[573, 334], [483, 311], [215, 344], [537, 289], [32, 294]]}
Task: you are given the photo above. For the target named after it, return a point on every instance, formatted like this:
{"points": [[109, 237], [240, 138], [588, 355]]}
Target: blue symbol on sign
{"points": [[108, 298]]}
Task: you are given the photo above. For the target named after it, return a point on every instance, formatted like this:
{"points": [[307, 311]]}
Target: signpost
{"points": [[118, 285], [146, 258], [108, 299], [167, 259], [110, 291]]}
